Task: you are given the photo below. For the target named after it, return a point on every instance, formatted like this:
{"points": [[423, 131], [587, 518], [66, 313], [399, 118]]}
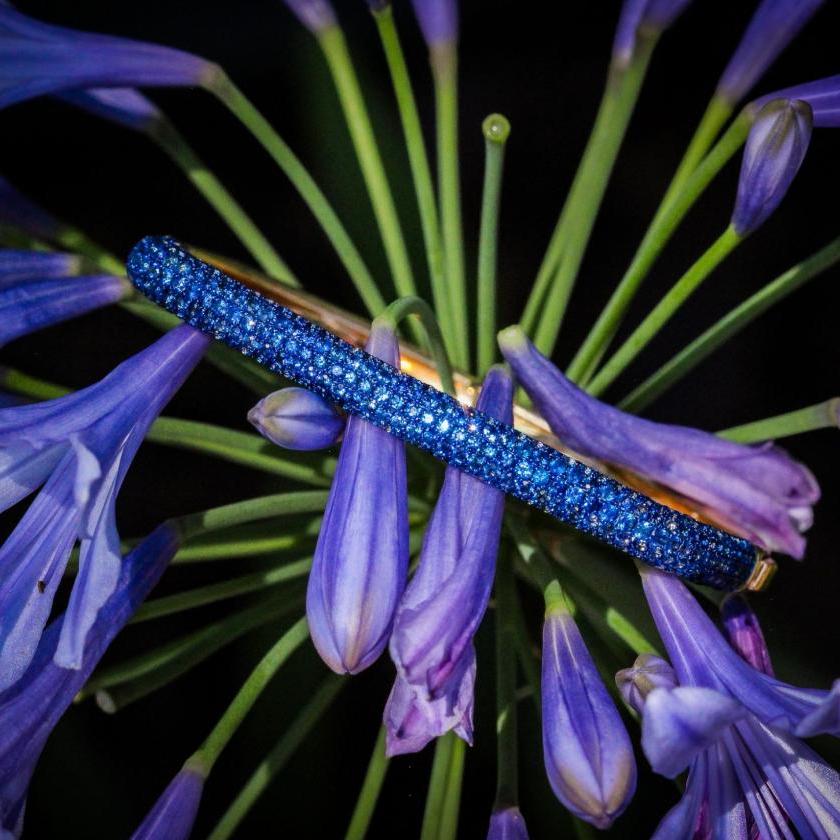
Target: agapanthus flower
{"points": [[758, 491], [18, 212], [642, 17], [823, 95], [736, 730], [173, 815], [79, 447], [587, 751], [775, 149], [432, 642], [773, 26], [438, 21], [31, 708], [744, 632], [122, 105], [315, 15], [507, 824], [361, 559], [295, 418], [38, 289], [37, 58]]}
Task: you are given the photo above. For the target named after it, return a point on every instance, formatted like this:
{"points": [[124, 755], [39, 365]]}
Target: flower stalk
{"points": [[371, 788]]}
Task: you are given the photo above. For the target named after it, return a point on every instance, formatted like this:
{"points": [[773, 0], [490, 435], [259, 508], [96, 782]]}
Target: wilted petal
{"points": [[823, 96], [744, 632], [773, 26], [315, 15], [757, 490], [173, 815], [681, 722], [125, 106], [648, 672], [295, 418], [438, 20], [507, 824], [587, 752], [642, 17], [775, 149], [361, 559]]}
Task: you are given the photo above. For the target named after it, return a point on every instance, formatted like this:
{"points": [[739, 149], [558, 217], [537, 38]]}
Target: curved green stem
{"points": [[243, 109], [731, 324], [664, 223], [496, 130], [173, 143], [420, 171], [274, 762], [371, 787], [667, 306], [444, 60], [251, 689], [824, 415], [402, 308]]}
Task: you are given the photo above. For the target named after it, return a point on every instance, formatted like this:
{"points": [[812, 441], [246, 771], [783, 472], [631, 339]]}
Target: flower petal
{"points": [[173, 815]]}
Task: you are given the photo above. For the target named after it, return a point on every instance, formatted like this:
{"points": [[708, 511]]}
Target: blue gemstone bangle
{"points": [[575, 493]]}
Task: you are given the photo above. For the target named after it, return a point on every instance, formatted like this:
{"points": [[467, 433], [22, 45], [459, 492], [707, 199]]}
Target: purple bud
{"points": [[648, 672], [823, 96], [173, 815], [507, 824], [774, 152], [438, 20], [296, 418], [587, 751], [744, 632], [315, 15], [773, 26], [642, 17]]}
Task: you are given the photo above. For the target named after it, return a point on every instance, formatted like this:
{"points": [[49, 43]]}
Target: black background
{"points": [[545, 71]]}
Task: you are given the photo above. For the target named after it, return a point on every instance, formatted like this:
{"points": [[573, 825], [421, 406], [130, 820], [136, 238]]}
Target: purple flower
{"points": [[642, 17], [438, 21], [80, 448], [757, 491], [648, 672], [775, 149], [37, 58], [734, 728], [315, 15], [445, 601], [173, 815], [295, 418], [823, 96], [361, 559], [32, 707], [744, 632], [17, 211], [507, 824], [773, 26], [122, 105], [37, 290], [587, 751]]}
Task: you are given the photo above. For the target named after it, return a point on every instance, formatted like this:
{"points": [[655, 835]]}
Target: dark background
{"points": [[545, 72]]}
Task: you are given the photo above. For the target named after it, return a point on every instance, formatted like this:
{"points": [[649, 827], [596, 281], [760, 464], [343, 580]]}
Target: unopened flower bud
{"points": [[296, 418]]}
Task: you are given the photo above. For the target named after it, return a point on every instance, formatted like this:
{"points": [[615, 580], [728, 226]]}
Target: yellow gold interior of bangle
{"points": [[415, 363]]}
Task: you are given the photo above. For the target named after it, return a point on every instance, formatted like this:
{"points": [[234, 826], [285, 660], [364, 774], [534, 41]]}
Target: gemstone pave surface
{"points": [[494, 452]]}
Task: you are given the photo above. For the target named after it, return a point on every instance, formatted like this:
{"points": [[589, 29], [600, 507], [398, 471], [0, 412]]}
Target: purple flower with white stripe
{"points": [[445, 601], [507, 824], [79, 447], [587, 751], [642, 18], [438, 21], [31, 708], [823, 95], [315, 15], [756, 491], [736, 729], [172, 817], [295, 418], [38, 289], [37, 58], [775, 149], [361, 559], [773, 26]]}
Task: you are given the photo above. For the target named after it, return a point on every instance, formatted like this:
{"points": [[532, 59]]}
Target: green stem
{"points": [[444, 60], [420, 171], [526, 655], [251, 689], [665, 222], [448, 828], [507, 784], [402, 308], [274, 762], [667, 306], [496, 130], [731, 324], [559, 268], [335, 51], [824, 415], [243, 109], [437, 787], [75, 240], [255, 545], [173, 143], [371, 788]]}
